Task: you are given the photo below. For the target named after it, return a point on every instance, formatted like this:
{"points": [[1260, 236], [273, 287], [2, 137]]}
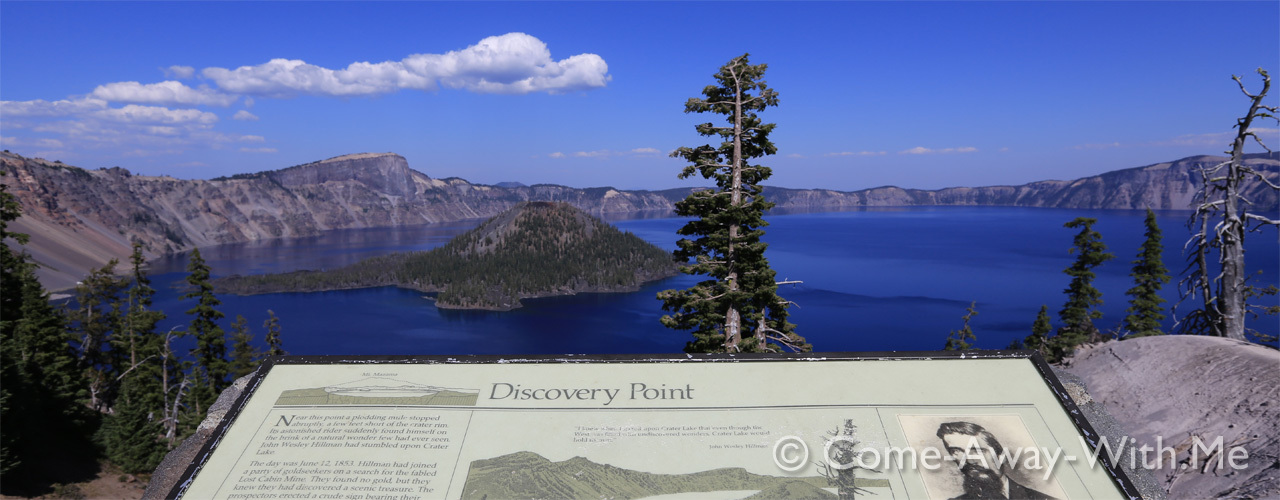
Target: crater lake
{"points": [[877, 279]]}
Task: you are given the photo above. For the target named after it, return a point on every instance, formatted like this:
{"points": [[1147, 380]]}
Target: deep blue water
{"points": [[874, 280]]}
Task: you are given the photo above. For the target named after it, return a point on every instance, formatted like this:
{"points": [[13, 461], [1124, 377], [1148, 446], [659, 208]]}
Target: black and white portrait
{"points": [[980, 457]]}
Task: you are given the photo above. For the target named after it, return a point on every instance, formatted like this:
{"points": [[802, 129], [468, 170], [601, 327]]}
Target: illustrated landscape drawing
{"points": [[529, 475], [379, 390]]}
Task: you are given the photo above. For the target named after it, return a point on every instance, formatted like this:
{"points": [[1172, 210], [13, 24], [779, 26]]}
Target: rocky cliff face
{"points": [[79, 219]]}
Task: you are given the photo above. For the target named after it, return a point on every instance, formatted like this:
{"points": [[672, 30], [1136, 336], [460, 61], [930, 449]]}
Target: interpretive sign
{"points": [[890, 425]]}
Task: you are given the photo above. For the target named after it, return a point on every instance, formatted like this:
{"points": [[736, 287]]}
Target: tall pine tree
{"points": [[98, 321], [1149, 275], [44, 423], [1078, 313], [132, 433], [738, 308], [275, 346], [139, 339], [211, 342]]}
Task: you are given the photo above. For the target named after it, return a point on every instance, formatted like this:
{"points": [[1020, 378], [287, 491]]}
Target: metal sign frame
{"points": [[1090, 436]]}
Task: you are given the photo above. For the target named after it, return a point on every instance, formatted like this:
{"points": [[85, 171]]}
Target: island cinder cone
{"points": [[535, 249]]}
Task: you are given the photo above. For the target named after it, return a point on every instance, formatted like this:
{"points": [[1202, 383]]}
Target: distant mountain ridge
{"points": [[1162, 186], [79, 218]]}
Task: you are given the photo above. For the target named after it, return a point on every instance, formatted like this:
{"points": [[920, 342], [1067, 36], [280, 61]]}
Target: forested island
{"points": [[536, 249]]}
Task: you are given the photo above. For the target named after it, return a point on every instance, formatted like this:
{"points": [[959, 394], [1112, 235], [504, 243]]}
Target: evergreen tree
{"points": [[44, 425], [98, 321], [211, 342], [10, 293], [132, 433], [959, 340], [11, 262], [1080, 310], [738, 309], [244, 358], [275, 347], [1149, 275], [1040, 330], [139, 339]]}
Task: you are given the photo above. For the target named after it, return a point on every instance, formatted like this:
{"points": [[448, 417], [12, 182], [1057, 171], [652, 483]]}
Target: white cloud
{"points": [[514, 63], [258, 150], [859, 153], [795, 155], [41, 107], [159, 115], [918, 150], [132, 130], [151, 152], [605, 153], [134, 113], [1220, 139], [1269, 136], [163, 130], [166, 92], [34, 143], [180, 72]]}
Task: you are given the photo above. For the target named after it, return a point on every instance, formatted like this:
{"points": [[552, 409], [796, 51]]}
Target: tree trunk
{"points": [[1231, 292], [1204, 282], [733, 317]]}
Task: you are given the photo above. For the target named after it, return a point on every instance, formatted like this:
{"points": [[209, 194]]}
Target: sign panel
{"points": [[915, 425]]}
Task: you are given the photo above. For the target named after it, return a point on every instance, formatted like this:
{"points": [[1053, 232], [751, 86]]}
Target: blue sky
{"points": [[585, 94]]}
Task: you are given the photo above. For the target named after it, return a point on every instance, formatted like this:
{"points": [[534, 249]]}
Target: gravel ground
{"points": [[1184, 393]]}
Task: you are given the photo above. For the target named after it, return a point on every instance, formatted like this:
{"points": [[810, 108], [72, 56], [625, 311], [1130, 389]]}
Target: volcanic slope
{"points": [[535, 249]]}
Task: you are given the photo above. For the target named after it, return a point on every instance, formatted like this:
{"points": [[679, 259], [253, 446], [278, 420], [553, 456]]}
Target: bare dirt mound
{"points": [[1168, 391]]}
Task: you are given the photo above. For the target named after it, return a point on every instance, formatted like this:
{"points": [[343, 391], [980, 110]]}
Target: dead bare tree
{"points": [[1225, 295], [172, 407]]}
